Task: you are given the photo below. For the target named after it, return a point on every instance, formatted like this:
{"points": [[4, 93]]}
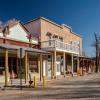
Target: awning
{"points": [[13, 47]]}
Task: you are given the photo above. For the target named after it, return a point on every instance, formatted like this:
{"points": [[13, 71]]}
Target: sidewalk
{"points": [[74, 88], [39, 84]]}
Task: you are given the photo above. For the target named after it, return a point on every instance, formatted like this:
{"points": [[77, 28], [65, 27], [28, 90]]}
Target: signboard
{"points": [[21, 53]]}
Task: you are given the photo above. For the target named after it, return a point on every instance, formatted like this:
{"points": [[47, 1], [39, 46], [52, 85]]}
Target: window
{"points": [[55, 36], [49, 35], [61, 39], [33, 63]]}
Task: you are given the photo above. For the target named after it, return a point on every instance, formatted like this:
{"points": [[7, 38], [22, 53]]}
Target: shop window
{"points": [[33, 65], [2, 64]]}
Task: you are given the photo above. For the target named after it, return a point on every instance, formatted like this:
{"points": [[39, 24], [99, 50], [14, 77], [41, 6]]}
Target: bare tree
{"points": [[97, 48]]}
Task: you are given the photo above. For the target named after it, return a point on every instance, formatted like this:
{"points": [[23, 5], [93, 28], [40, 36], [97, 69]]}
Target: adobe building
{"points": [[65, 45]]}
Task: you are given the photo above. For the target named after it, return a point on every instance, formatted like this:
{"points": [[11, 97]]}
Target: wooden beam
{"points": [[41, 65], [78, 65], [55, 65], [28, 64], [52, 65], [38, 64], [26, 75], [72, 63], [17, 65], [6, 67], [64, 63]]}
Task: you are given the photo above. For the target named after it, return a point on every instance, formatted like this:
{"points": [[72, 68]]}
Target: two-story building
{"points": [[48, 49], [64, 44]]}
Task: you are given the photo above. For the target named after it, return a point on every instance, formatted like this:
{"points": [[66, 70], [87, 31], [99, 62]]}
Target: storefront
{"points": [[32, 62]]}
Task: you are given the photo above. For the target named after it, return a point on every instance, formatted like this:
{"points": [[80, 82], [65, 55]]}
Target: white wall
{"points": [[1, 34], [18, 33]]}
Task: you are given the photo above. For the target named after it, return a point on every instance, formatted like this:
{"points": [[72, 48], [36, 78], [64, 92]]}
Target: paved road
{"points": [[77, 88]]}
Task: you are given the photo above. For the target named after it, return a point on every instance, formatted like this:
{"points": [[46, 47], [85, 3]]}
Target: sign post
{"points": [[21, 54]]}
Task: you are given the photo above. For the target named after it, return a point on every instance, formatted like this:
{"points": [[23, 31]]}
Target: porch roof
{"points": [[13, 47], [87, 58]]}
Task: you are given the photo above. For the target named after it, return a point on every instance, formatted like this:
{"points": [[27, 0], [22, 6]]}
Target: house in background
{"points": [[65, 45]]}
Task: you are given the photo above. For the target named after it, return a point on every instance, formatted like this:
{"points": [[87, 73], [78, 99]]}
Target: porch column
{"points": [[6, 67], [82, 66], [72, 64], [78, 64], [26, 75], [41, 65], [55, 67], [38, 64], [17, 65], [52, 65], [28, 64], [64, 63]]}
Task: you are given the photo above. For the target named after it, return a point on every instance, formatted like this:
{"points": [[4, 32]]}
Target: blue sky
{"points": [[82, 15]]}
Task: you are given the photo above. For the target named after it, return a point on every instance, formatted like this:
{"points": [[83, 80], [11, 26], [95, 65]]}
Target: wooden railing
{"points": [[60, 46]]}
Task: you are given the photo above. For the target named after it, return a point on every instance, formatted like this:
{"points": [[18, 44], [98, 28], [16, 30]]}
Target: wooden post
{"points": [[6, 67], [38, 64], [41, 65], [17, 65], [26, 76], [28, 67], [52, 65], [72, 65], [78, 62], [78, 69], [82, 66], [55, 69], [64, 63]]}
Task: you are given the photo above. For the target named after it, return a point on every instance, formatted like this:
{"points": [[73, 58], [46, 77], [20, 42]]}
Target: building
{"points": [[40, 48], [15, 38], [65, 45]]}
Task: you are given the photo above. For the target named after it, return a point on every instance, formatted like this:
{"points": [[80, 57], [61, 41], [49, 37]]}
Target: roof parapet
{"points": [[61, 26], [64, 25]]}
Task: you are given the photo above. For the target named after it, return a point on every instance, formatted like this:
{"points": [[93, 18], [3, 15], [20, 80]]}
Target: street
{"points": [[74, 88]]}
